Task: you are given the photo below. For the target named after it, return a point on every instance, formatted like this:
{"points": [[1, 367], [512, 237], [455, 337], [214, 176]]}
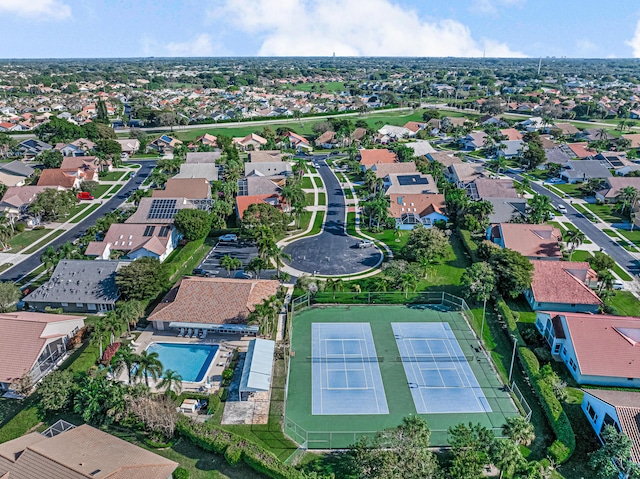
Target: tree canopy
{"points": [[143, 279], [192, 223]]}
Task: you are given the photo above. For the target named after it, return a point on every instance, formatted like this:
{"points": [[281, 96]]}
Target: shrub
{"points": [[227, 373], [543, 354], [468, 243], [110, 352], [20, 227], [233, 454], [39, 227], [181, 473]]}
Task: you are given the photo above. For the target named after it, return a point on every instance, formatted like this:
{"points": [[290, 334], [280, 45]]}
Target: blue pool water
{"points": [[191, 361]]}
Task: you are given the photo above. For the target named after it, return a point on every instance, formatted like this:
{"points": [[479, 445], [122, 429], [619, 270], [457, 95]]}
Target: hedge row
{"points": [[468, 243], [503, 310], [565, 442], [235, 449]]}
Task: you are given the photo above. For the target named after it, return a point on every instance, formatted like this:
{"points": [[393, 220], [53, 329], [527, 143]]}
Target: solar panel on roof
{"points": [[148, 231], [163, 209], [164, 232]]}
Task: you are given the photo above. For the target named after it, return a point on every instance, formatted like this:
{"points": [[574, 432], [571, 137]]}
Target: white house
{"points": [[410, 210]]}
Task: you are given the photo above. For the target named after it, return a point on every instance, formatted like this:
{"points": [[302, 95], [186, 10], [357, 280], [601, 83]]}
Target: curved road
{"points": [[332, 252], [33, 261], [611, 247]]}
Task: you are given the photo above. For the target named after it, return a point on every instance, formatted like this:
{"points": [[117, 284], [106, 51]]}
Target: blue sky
{"points": [[140, 28]]}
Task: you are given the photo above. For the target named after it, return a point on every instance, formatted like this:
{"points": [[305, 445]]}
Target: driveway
{"points": [[33, 261], [611, 247], [333, 252], [243, 251]]}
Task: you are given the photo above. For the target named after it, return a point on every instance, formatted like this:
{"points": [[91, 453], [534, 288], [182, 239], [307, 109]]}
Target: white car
{"points": [[365, 244], [228, 238], [562, 209], [555, 180], [617, 284]]}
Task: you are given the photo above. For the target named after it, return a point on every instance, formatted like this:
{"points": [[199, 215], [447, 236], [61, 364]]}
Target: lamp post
{"points": [[513, 357]]}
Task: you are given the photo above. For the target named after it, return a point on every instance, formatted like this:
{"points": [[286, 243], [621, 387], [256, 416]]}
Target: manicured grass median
{"points": [[85, 213], [322, 199], [48, 239], [26, 239], [626, 303], [113, 175], [306, 183]]}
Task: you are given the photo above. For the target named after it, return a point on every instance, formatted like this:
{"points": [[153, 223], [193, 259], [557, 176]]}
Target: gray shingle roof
{"points": [[17, 168], [79, 281]]}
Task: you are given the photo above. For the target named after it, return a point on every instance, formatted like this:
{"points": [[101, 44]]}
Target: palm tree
{"points": [[606, 281], [149, 365], [227, 263], [540, 208], [171, 381], [519, 430], [626, 198], [574, 238], [507, 456], [99, 329], [127, 358], [407, 282], [499, 164], [381, 283], [275, 254], [257, 265], [113, 322], [130, 312]]}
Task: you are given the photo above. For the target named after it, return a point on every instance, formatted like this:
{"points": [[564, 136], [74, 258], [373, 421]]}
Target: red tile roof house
{"points": [[17, 199], [368, 158], [66, 179], [410, 210], [190, 188], [250, 142], [600, 350], [216, 304], [243, 202], [33, 343], [620, 409], [563, 286], [532, 241], [67, 452], [613, 186], [87, 164], [296, 142], [136, 241]]}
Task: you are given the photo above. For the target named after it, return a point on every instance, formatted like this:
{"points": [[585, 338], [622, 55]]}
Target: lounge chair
{"points": [[204, 334], [195, 333], [189, 333], [181, 333]]}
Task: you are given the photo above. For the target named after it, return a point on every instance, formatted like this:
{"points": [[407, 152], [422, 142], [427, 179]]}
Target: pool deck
{"points": [[226, 343]]}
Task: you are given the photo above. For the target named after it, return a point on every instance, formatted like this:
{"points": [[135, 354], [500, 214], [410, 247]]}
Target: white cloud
{"points": [[40, 9], [634, 43], [200, 46], [585, 45], [351, 28], [492, 6]]}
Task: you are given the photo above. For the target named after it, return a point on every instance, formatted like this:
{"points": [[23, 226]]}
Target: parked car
{"points": [[365, 243], [617, 284], [84, 195], [555, 180], [201, 272], [243, 275], [562, 209], [228, 238]]}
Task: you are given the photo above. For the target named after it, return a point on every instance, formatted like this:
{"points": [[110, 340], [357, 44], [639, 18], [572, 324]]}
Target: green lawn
{"points": [[86, 213], [633, 236], [76, 209], [113, 175], [115, 189], [318, 181], [322, 199], [331, 86], [100, 190], [306, 183], [25, 239], [570, 189], [626, 303], [606, 213], [43, 242]]}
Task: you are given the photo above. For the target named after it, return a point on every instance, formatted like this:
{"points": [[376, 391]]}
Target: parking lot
{"points": [[245, 252]]}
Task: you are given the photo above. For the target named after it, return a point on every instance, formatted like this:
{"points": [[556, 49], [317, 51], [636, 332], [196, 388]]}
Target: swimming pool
{"points": [[190, 361]]}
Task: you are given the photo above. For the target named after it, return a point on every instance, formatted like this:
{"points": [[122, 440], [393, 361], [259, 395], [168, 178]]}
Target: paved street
{"points": [[332, 252], [242, 251], [612, 248], [16, 272]]}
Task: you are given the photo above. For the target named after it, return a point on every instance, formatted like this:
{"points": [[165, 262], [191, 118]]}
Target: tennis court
{"points": [[345, 374], [438, 373], [349, 374]]}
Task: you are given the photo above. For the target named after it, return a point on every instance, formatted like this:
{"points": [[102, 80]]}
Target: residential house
{"points": [[474, 140], [613, 185], [130, 146], [16, 168], [405, 184], [563, 286], [577, 171], [579, 150], [510, 148], [243, 202], [31, 148], [58, 178], [161, 210], [190, 188], [410, 210], [634, 138], [555, 155], [445, 158], [414, 126], [358, 135], [78, 286], [265, 156], [567, 129], [188, 304], [260, 185], [198, 170], [392, 132], [619, 409], [68, 452], [11, 180], [16, 200], [207, 140], [598, 349], [507, 204], [420, 148], [383, 170], [136, 241], [164, 145], [368, 158], [327, 140], [250, 142], [269, 169], [80, 147], [511, 134], [209, 157], [533, 241], [296, 142], [596, 134], [32, 343], [461, 174], [534, 123], [90, 165]]}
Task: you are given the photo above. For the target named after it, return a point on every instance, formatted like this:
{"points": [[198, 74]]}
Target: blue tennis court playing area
{"points": [[439, 375], [345, 371]]}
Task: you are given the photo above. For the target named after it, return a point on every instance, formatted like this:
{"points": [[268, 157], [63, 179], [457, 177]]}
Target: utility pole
{"points": [[539, 66], [513, 357]]}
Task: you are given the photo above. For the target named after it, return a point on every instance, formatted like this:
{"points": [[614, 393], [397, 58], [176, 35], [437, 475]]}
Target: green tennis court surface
{"points": [[427, 374]]}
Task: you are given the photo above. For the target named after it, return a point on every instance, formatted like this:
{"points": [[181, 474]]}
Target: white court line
{"points": [[375, 389], [460, 367]]}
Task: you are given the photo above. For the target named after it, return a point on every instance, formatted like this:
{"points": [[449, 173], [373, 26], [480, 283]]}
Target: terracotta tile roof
{"points": [[262, 156], [532, 240], [131, 237], [384, 169], [581, 150], [213, 300], [634, 138], [566, 128], [605, 345], [629, 418], [414, 126], [21, 195], [372, 157], [500, 188], [243, 202], [56, 177], [295, 138], [511, 134], [81, 453], [326, 137], [446, 158], [21, 340], [421, 205], [191, 188], [617, 183], [563, 282], [79, 162]]}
